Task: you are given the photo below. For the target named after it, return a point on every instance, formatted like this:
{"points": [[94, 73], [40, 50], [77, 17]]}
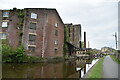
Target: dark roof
{"points": [[77, 47], [77, 24]]}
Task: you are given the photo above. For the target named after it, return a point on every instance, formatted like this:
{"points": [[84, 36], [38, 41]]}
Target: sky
{"points": [[99, 18]]}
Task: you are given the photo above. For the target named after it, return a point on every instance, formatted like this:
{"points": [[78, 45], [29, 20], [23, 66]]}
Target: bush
{"points": [[13, 55], [7, 52]]}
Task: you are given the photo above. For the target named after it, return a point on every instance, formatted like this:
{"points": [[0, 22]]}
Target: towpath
{"points": [[110, 68]]}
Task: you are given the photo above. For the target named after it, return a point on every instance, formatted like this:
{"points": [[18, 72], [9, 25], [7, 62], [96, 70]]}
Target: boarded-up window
{"points": [[5, 14], [4, 24], [33, 26], [32, 37]]}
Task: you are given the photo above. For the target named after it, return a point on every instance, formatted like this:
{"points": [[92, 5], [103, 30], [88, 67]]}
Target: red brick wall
{"points": [[11, 30], [45, 19]]}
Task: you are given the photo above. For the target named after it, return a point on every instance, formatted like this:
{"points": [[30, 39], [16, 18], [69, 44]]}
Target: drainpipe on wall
{"points": [[43, 45]]}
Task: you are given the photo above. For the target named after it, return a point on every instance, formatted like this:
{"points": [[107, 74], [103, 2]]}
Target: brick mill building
{"points": [[73, 38], [74, 34], [39, 30]]}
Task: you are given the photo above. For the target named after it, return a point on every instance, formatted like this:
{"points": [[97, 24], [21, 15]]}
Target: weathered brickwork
{"points": [[40, 30], [74, 34]]}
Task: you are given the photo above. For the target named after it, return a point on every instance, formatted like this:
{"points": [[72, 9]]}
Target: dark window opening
{"points": [[33, 26], [31, 49], [73, 34], [56, 51], [31, 37], [69, 31], [56, 32]]}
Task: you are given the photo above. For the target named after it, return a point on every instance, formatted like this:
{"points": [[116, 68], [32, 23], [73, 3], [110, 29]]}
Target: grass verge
{"points": [[97, 70], [115, 59]]}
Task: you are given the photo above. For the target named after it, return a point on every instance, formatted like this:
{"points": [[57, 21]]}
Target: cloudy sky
{"points": [[99, 18]]}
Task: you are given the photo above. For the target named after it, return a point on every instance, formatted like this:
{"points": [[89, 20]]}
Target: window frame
{"points": [[31, 26], [56, 25], [3, 35], [56, 51], [32, 48], [33, 38], [56, 42], [5, 14], [56, 32], [33, 15], [4, 24]]}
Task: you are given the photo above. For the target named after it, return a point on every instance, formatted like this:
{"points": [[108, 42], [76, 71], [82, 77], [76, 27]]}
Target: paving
{"points": [[110, 68]]}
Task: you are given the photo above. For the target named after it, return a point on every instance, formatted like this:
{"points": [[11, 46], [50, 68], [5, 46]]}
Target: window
{"points": [[56, 51], [56, 32], [69, 32], [4, 24], [33, 26], [56, 42], [3, 35], [56, 24], [31, 49], [33, 15], [73, 34], [31, 37], [5, 14]]}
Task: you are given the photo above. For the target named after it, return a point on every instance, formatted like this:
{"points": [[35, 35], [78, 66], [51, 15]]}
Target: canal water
{"points": [[67, 69]]}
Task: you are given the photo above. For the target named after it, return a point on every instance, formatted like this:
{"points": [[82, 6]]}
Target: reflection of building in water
{"points": [[44, 70], [51, 70]]}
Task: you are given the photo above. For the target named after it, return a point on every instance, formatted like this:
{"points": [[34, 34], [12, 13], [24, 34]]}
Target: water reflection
{"points": [[45, 70]]}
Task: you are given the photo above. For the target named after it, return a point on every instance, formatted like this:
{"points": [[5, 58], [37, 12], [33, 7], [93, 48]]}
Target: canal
{"points": [[67, 69]]}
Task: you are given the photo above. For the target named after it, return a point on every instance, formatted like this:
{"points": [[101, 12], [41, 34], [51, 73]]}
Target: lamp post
{"points": [[115, 39]]}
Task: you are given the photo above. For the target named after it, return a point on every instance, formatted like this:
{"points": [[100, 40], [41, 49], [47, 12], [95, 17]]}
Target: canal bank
{"points": [[96, 70], [104, 68]]}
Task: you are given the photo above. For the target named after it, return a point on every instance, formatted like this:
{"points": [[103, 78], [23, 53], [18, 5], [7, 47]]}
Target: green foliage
{"points": [[65, 49], [7, 52], [66, 39], [118, 51], [34, 59], [115, 59], [94, 51], [89, 52], [20, 13], [21, 33], [82, 44], [4, 41], [12, 55], [66, 35]]}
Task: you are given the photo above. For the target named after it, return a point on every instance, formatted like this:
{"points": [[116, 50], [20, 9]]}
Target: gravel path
{"points": [[110, 68]]}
